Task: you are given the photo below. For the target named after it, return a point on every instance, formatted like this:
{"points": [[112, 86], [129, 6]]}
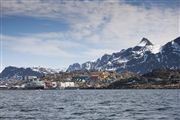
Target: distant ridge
{"points": [[12, 72]]}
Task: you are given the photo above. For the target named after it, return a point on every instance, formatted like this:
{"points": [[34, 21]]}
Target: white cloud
{"points": [[93, 54], [112, 19], [96, 27], [38, 45]]}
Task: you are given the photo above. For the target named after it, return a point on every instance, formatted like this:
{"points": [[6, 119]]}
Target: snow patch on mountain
{"points": [[122, 60], [109, 63], [87, 65], [45, 70], [156, 49]]}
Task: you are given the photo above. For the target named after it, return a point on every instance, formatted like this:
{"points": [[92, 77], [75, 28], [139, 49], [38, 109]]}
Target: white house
{"points": [[66, 84], [54, 84]]}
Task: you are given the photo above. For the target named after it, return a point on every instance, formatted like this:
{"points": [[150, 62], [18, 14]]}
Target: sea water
{"points": [[90, 104]]}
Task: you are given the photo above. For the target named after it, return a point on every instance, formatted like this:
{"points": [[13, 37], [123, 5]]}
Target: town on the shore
{"points": [[157, 79]]}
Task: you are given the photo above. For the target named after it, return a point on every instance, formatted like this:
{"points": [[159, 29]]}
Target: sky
{"points": [[57, 33]]}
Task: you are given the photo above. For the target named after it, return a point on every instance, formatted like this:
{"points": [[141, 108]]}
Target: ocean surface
{"points": [[90, 105]]}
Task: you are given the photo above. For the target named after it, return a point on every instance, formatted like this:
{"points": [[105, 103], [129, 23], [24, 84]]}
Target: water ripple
{"points": [[90, 105]]}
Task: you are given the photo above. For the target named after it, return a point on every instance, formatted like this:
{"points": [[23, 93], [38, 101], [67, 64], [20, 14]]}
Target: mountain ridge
{"points": [[12, 72], [142, 58]]}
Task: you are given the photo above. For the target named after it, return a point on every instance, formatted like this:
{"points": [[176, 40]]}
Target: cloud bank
{"points": [[96, 27]]}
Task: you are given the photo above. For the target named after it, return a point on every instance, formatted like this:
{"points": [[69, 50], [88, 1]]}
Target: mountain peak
{"points": [[142, 58], [144, 42]]}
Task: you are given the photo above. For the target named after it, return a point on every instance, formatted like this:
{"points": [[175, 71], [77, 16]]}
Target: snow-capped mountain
{"points": [[12, 72], [142, 58]]}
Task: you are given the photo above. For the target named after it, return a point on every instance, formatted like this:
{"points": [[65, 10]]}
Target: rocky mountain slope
{"points": [[142, 58], [12, 72]]}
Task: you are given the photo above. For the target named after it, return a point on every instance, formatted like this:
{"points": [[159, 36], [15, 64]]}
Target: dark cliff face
{"points": [[146, 41], [170, 54], [139, 59], [14, 72], [74, 67]]}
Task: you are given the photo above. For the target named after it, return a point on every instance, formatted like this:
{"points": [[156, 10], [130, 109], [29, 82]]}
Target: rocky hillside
{"points": [[142, 58], [170, 74], [159, 78], [12, 72]]}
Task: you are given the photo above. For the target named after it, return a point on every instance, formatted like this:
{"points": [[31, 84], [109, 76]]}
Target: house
{"points": [[35, 84], [82, 78], [30, 77], [104, 75], [3, 87], [54, 84], [67, 85], [48, 84]]}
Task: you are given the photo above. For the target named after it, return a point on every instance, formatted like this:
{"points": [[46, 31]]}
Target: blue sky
{"points": [[53, 33]]}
